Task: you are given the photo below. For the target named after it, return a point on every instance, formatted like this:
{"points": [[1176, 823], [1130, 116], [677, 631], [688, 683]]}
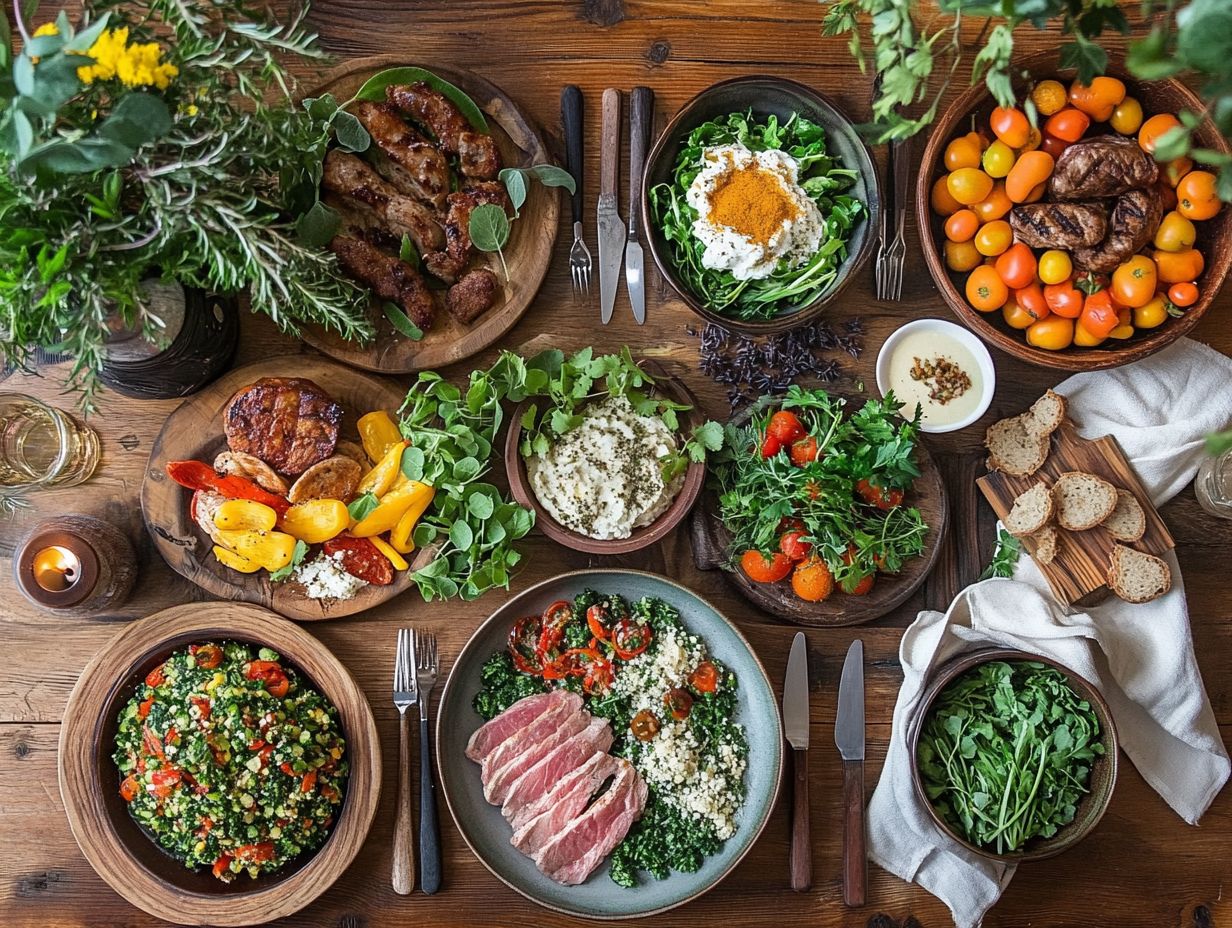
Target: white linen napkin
{"points": [[1139, 656]]}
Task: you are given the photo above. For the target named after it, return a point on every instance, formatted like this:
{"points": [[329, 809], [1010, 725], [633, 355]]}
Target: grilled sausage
{"points": [[290, 423], [1133, 221], [477, 154], [1060, 225], [1103, 166], [390, 278], [471, 296]]}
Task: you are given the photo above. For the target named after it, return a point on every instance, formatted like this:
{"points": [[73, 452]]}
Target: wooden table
{"points": [[1142, 867]]}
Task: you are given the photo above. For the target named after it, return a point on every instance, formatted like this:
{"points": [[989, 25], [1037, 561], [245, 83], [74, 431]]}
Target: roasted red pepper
{"points": [[197, 475], [360, 558], [523, 645]]}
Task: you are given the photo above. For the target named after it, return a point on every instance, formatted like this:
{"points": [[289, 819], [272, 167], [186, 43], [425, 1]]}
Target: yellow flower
{"points": [[47, 29], [135, 65]]}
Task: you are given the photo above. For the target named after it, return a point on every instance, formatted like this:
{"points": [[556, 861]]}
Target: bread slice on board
{"points": [[1138, 577], [1127, 521], [1032, 510], [1046, 414], [1047, 541], [1083, 500], [1015, 449]]}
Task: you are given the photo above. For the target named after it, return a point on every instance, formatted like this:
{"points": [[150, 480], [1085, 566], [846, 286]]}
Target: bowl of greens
{"points": [[1015, 754], [760, 203]]}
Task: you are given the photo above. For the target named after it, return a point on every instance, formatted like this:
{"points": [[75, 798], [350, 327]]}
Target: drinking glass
{"points": [[41, 446], [1213, 485]]}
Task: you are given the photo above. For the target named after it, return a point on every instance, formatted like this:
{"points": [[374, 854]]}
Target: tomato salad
{"points": [[228, 760]]}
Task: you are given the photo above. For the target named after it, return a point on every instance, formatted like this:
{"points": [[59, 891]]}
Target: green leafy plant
{"points": [[1004, 557], [489, 230]]}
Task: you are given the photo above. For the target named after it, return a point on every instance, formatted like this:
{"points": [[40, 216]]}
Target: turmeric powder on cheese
{"points": [[751, 201]]}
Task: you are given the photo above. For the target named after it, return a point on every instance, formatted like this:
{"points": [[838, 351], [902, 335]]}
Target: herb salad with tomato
{"points": [[671, 707], [230, 761]]}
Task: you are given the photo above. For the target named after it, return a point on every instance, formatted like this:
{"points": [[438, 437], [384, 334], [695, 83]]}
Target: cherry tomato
{"points": [[1034, 139], [255, 853], [940, 198], [1133, 283], [986, 290], [630, 638], [1126, 117], [861, 587], [1166, 194], [964, 152], [993, 238], [1099, 316], [1015, 316], [143, 711], [1175, 233], [1055, 333], [1099, 98], [1053, 146], [804, 451], [1175, 170], [1179, 267], [644, 725], [598, 620], [679, 703], [770, 446], [130, 788], [762, 569], [208, 656], [1183, 294], [998, 159], [704, 678], [968, 185], [360, 558], [791, 544], [961, 226], [1031, 299], [1016, 266], [271, 676], [1064, 299], [599, 676], [155, 677], [1196, 196], [1155, 127], [1153, 314], [1010, 125], [524, 644], [1084, 339], [884, 498], [961, 256], [1030, 170], [785, 426], [1125, 324], [1069, 125], [1055, 266], [1048, 96], [812, 580], [995, 205]]}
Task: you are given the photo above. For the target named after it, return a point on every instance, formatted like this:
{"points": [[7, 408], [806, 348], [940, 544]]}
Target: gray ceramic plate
{"points": [[486, 831]]}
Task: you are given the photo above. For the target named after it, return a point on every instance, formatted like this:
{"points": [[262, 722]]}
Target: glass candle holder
{"points": [[75, 565], [1213, 485], [41, 446]]}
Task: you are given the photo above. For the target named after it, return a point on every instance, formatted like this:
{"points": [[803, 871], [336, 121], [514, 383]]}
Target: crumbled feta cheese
{"points": [[324, 577]]}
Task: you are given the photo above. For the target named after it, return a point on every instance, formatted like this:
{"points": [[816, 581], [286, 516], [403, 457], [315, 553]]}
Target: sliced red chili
{"points": [[523, 643], [630, 638]]}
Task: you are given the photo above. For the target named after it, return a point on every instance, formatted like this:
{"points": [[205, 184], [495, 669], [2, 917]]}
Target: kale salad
{"points": [[671, 707]]}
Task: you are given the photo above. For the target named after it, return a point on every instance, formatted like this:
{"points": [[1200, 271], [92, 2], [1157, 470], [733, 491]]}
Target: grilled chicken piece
{"points": [[410, 162], [334, 478], [450, 262], [473, 295], [352, 177], [290, 423], [1060, 225], [477, 154], [1103, 166], [387, 276], [1133, 221], [245, 465]]}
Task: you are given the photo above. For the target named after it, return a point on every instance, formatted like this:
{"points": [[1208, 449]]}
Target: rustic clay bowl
{"points": [[766, 96], [1091, 807], [519, 481], [972, 108]]}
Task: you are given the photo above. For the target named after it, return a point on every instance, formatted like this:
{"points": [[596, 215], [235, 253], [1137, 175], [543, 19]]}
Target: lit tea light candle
{"points": [[76, 565], [56, 568]]}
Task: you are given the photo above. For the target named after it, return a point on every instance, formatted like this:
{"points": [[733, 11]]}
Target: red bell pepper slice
{"points": [[197, 475]]}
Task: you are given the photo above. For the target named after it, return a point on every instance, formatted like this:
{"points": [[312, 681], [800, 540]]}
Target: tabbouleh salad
{"points": [[230, 761]]}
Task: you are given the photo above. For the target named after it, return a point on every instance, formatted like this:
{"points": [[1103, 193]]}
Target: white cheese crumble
{"points": [[325, 578]]}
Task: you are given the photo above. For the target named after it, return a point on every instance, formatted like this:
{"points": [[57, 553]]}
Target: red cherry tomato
{"points": [[704, 678], [762, 569], [1016, 266], [785, 426], [882, 497], [791, 544], [1064, 299], [770, 446], [804, 451]]}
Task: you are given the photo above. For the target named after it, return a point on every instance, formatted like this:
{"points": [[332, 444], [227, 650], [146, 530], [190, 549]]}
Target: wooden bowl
{"points": [[1214, 235], [1091, 807], [519, 481], [766, 96], [528, 253], [116, 846], [194, 431]]}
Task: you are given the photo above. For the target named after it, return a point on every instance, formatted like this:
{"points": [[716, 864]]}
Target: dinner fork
{"points": [[404, 696], [423, 651], [579, 254], [890, 274]]}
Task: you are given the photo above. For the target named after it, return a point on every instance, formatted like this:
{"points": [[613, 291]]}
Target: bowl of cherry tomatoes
{"points": [[1054, 233]]}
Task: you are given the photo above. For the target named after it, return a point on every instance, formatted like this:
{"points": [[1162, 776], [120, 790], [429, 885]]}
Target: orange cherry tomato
{"points": [[812, 580], [1053, 146], [993, 238], [1196, 197], [1056, 333], [1099, 316], [1099, 98], [993, 206], [1030, 170], [1158, 125], [1179, 267], [1133, 283], [1183, 294], [969, 185], [763, 569], [1048, 96], [986, 291], [964, 152], [1166, 194], [1176, 169], [1031, 299], [1010, 125], [1069, 125], [961, 226], [961, 256], [1016, 266], [940, 199], [1016, 316], [1064, 299]]}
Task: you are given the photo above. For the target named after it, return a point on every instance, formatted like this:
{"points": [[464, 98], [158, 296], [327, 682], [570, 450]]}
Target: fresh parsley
{"points": [[1004, 557]]}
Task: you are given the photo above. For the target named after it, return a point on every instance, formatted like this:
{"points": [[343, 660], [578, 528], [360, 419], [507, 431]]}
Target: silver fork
{"points": [[896, 255], [579, 254], [405, 696], [423, 650]]}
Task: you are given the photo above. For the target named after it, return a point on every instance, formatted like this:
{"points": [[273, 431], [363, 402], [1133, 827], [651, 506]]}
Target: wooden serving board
{"points": [[1078, 573]]}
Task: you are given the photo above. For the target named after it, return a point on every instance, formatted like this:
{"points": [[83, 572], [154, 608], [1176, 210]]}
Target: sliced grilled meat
{"points": [[387, 276], [352, 177], [477, 153], [290, 423], [1103, 166], [1133, 221], [409, 161], [448, 263], [1060, 225], [473, 295]]}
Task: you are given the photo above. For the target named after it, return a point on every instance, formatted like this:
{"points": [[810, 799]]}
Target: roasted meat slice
{"points": [[334, 478], [353, 177], [1103, 166], [1133, 221], [473, 295], [290, 423], [408, 161], [477, 153], [448, 263], [1060, 225], [389, 277]]}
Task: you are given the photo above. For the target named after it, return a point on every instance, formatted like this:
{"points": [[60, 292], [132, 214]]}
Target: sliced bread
{"points": [[1032, 510], [1046, 414], [1138, 577], [1127, 522], [1083, 500], [1046, 541], [1014, 449]]}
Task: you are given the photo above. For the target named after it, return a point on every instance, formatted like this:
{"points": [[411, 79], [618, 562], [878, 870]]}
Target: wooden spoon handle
{"points": [[855, 866], [404, 846], [801, 840]]}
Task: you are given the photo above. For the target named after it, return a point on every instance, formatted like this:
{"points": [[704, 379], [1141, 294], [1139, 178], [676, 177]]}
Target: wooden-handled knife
{"points": [[849, 736], [796, 726]]}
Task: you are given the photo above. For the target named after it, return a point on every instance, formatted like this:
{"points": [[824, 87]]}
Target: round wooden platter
{"points": [[194, 432], [711, 540], [122, 854], [528, 254]]}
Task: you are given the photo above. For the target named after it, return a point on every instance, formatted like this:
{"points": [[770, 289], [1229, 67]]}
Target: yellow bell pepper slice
{"points": [[235, 561], [316, 520], [377, 431], [391, 555], [245, 515], [400, 536], [271, 550], [380, 479], [392, 507]]}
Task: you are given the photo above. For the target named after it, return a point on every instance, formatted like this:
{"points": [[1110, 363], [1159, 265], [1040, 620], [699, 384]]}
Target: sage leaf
{"points": [[402, 322], [318, 226], [552, 176], [407, 252], [489, 227], [514, 180], [374, 89], [349, 132]]}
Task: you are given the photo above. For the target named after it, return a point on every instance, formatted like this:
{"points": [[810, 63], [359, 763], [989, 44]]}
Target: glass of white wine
{"points": [[41, 446]]}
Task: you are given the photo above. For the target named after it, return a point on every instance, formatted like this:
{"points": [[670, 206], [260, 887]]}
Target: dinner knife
{"points": [[849, 736], [641, 114], [796, 725], [611, 229]]}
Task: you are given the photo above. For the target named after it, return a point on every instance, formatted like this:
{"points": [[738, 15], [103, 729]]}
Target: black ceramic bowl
{"points": [[766, 96]]}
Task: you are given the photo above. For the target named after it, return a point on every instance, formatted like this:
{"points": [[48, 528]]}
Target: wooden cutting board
{"points": [[1078, 574]]}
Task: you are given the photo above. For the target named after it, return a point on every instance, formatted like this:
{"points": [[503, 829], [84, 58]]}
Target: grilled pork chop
{"points": [[290, 423], [410, 162], [389, 278], [352, 177], [1103, 166], [477, 154], [1133, 221], [1060, 225]]}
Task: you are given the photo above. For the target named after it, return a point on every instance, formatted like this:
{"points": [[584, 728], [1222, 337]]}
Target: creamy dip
{"points": [[938, 372], [604, 478], [752, 212]]}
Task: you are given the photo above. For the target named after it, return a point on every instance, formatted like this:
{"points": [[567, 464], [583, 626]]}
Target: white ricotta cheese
{"points": [[324, 577]]}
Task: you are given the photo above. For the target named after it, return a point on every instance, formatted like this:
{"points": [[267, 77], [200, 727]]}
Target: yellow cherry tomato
{"points": [[1175, 233], [1133, 282], [1049, 97], [961, 256], [1084, 339], [1153, 314], [1196, 196], [964, 152], [993, 206], [940, 199], [1127, 117], [1015, 316], [1055, 266], [1125, 325], [969, 185], [1053, 333], [998, 159], [993, 238]]}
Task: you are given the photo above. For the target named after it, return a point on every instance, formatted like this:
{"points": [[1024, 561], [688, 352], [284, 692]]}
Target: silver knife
{"points": [[849, 736], [641, 115], [796, 725], [611, 229]]}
